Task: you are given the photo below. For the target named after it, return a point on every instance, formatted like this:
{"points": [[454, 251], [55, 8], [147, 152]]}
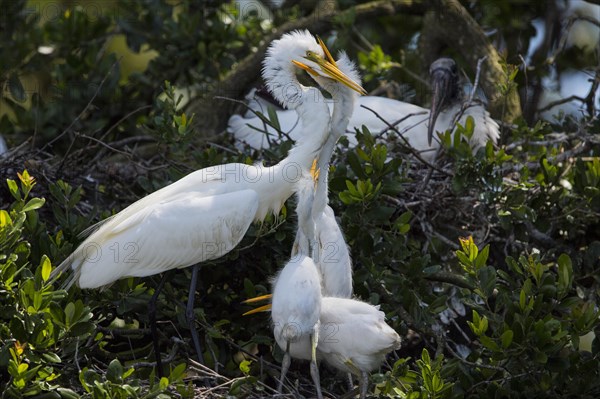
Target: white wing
{"points": [[162, 236]]}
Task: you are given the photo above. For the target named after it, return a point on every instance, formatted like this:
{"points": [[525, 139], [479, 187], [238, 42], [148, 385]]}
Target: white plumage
{"points": [[354, 337], [206, 214], [211, 207], [342, 321], [296, 303]]}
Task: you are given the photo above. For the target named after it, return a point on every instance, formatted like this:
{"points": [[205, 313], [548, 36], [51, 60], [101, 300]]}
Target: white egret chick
{"points": [[354, 337], [296, 302], [206, 214], [331, 251]]}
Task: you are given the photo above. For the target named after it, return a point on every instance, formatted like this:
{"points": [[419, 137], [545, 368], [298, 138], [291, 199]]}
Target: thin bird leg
{"points": [[152, 320], [364, 384], [191, 316], [285, 365], [350, 382], [314, 370]]}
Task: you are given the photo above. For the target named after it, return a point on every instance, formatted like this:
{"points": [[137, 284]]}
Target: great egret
{"points": [[410, 120], [354, 337], [332, 255], [296, 302], [205, 214]]}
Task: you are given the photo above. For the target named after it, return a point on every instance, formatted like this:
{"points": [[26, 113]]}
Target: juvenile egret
{"points": [[354, 337], [410, 120], [331, 251], [296, 302], [205, 214]]}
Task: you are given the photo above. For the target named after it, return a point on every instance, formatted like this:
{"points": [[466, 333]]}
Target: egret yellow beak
{"points": [[258, 298], [328, 67], [264, 308]]}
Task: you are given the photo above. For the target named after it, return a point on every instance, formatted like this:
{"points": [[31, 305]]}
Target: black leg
{"points": [[152, 319], [189, 313]]}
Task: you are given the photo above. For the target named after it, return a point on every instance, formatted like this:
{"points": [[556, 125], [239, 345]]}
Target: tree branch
{"points": [[451, 25], [212, 116]]}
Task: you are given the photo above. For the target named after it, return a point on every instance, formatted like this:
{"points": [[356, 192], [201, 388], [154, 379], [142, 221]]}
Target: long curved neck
{"points": [[344, 100], [316, 124]]}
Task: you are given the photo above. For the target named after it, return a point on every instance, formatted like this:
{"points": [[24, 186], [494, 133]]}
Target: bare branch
{"points": [[452, 25]]}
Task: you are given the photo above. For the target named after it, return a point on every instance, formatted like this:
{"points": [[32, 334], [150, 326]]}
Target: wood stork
{"points": [[410, 120], [205, 214]]}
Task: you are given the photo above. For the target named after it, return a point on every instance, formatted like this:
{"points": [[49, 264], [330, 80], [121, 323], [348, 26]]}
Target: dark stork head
{"points": [[446, 91]]}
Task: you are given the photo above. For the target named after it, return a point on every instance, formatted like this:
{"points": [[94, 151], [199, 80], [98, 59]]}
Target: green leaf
{"points": [[14, 189], [46, 268], [69, 313], [482, 257], [164, 383], [273, 117], [114, 372], [5, 219], [565, 274], [245, 366], [506, 338], [177, 372], [489, 343], [522, 299], [51, 357], [33, 204]]}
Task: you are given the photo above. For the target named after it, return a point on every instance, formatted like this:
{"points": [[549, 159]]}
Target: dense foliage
{"points": [[487, 265]]}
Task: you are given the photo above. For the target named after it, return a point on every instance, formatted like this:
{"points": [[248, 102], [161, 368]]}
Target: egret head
{"points": [[345, 67], [298, 49], [327, 72], [444, 83]]}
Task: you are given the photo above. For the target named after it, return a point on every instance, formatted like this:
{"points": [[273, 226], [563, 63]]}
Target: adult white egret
{"points": [[409, 119], [296, 302], [205, 214]]}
